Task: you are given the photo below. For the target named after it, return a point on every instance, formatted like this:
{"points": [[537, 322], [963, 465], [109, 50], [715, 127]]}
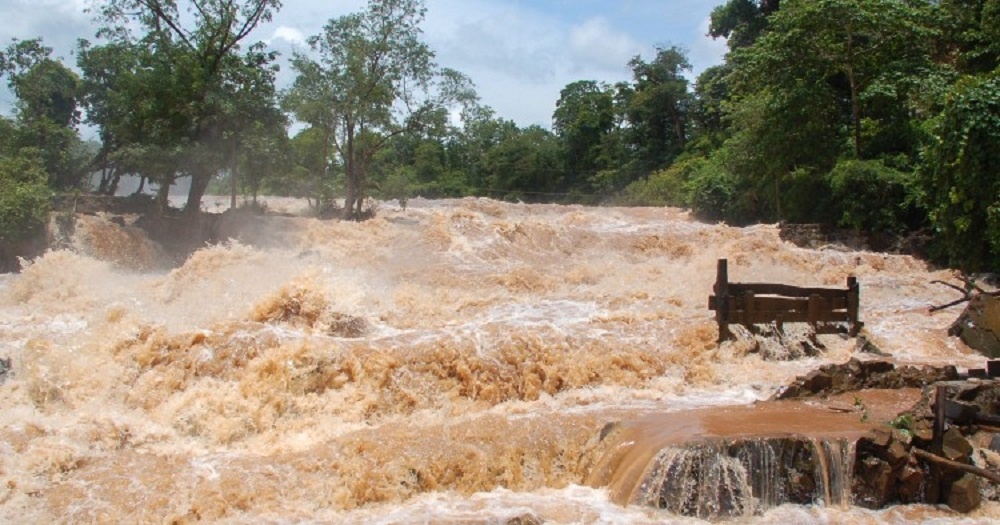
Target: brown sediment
{"points": [[389, 464], [457, 346], [634, 445]]}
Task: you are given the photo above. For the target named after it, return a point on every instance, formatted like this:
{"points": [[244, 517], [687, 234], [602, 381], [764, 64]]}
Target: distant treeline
{"points": [[878, 115]]}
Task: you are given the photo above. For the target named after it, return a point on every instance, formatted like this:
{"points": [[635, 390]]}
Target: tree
{"points": [[374, 80], [310, 168], [872, 51], [584, 114], [711, 93], [657, 106], [47, 114], [264, 162], [525, 165], [190, 67], [741, 22], [961, 177], [830, 78], [24, 190], [971, 34]]}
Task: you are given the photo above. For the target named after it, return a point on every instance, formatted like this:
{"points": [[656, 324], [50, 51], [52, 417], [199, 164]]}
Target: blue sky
{"points": [[519, 53]]}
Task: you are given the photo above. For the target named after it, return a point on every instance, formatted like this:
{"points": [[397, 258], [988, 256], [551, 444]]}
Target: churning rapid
{"points": [[452, 362]]}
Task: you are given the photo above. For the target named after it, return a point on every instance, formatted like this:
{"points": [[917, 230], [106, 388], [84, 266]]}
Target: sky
{"points": [[519, 53]]}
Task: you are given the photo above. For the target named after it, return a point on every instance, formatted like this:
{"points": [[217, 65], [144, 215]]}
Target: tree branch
{"points": [[964, 467], [157, 9]]}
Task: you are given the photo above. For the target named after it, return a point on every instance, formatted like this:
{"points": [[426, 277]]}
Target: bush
{"points": [[666, 187], [24, 197], [870, 196], [713, 193], [960, 171]]}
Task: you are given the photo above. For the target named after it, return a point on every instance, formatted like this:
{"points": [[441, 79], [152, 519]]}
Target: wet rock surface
{"points": [[979, 325], [892, 465], [895, 462], [860, 375]]}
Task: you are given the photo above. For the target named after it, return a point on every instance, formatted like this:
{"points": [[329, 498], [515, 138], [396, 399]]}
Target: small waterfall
{"points": [[834, 467], [743, 477]]}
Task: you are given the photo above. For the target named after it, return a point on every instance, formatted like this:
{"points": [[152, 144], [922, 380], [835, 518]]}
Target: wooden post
{"points": [[853, 303], [722, 299], [940, 400], [937, 444], [813, 310]]}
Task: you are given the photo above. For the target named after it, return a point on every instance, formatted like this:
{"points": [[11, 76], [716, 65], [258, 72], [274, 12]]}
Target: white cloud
{"points": [[519, 53], [706, 51], [482, 36], [596, 43], [288, 34]]}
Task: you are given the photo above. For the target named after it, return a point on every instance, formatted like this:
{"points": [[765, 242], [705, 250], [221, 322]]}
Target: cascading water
{"points": [[451, 362], [834, 468], [726, 478]]}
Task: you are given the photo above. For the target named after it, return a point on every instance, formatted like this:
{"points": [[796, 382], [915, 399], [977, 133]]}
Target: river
{"points": [[453, 362]]}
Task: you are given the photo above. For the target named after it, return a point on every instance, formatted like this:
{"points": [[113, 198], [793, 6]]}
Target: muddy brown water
{"points": [[490, 345]]}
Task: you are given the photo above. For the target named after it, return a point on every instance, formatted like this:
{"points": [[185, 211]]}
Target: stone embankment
{"points": [[904, 461]]}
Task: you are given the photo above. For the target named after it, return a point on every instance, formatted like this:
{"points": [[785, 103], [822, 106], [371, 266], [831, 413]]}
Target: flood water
{"points": [[455, 362]]}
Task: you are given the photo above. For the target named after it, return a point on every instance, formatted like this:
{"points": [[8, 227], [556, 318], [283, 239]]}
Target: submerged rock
{"points": [[979, 325], [859, 375], [965, 495]]}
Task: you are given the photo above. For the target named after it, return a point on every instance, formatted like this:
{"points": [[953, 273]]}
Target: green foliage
{"points": [[46, 109], [398, 185], [177, 82], [584, 115], [972, 34], [713, 193], [960, 172], [668, 187], [24, 196], [374, 79], [741, 22], [905, 424], [657, 106], [874, 197], [526, 165]]}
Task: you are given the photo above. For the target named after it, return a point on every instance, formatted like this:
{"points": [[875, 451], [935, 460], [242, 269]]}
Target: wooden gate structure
{"points": [[825, 309]]}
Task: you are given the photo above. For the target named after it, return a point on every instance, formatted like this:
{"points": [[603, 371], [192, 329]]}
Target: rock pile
{"points": [[901, 463], [860, 375]]}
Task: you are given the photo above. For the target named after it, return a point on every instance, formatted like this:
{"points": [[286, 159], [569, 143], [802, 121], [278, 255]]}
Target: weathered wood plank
{"points": [[784, 290], [762, 303]]}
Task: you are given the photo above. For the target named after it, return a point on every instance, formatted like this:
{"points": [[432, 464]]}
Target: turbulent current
{"points": [[454, 362]]}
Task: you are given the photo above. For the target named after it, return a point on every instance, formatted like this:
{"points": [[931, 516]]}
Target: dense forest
{"points": [[877, 115]]}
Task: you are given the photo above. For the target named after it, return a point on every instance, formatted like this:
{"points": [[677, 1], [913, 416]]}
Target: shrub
{"points": [[870, 196], [24, 197], [960, 171]]}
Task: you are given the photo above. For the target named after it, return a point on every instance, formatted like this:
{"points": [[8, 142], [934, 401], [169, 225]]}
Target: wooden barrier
{"points": [[748, 304]]}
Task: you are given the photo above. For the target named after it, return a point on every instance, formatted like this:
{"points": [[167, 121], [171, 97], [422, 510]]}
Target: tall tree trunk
{"points": [[102, 189], [352, 191], [233, 174], [163, 194], [199, 183], [777, 195], [116, 177]]}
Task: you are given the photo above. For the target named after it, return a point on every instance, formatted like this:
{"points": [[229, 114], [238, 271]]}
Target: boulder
{"points": [[955, 447], [979, 325], [964, 495], [524, 519], [817, 381], [911, 481]]}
